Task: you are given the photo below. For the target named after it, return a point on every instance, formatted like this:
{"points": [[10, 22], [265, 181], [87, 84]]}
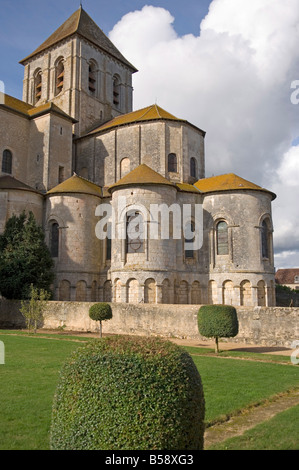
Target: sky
{"points": [[230, 67]]}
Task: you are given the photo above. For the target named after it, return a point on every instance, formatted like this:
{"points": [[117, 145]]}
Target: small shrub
{"points": [[218, 321], [33, 309], [100, 312], [128, 393]]}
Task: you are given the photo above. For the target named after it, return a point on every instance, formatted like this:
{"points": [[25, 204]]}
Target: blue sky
{"points": [[25, 24]]}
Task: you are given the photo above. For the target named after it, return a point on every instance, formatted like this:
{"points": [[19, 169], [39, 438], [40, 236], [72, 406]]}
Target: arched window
{"points": [[37, 85], [222, 238], [125, 166], [59, 76], [172, 163], [116, 90], [54, 240], [193, 169], [108, 242], [65, 291], [189, 238], [92, 77], [135, 233], [7, 162], [265, 240]]}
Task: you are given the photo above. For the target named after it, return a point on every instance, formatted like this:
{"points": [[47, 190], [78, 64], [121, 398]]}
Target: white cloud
{"points": [[233, 81]]}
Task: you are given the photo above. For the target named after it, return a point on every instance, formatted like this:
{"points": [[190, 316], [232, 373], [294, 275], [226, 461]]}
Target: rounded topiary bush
{"points": [[100, 312], [128, 393], [218, 321]]}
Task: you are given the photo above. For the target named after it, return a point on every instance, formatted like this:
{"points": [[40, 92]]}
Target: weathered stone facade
{"points": [[74, 146], [268, 326]]}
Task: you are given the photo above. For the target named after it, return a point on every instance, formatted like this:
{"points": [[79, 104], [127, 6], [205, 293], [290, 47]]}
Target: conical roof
{"points": [[150, 113], [77, 185], [9, 182], [80, 23], [227, 182], [141, 175]]}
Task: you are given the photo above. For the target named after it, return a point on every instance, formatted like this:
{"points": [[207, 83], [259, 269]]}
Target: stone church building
{"points": [[74, 145]]}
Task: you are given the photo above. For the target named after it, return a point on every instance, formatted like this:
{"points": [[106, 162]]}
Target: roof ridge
{"points": [[82, 24], [142, 174], [158, 110]]}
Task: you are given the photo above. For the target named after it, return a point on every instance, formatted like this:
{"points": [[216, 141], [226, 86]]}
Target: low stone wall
{"points": [[269, 326]]}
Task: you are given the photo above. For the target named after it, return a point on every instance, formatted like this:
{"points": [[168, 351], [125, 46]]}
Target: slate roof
{"points": [[286, 276]]}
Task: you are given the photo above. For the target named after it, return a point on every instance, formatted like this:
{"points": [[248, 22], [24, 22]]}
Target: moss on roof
{"points": [[141, 175], [150, 113], [189, 188], [227, 182], [30, 111], [77, 185]]}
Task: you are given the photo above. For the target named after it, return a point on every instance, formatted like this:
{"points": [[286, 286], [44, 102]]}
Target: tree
{"points": [[24, 258], [33, 309], [218, 321], [100, 312]]}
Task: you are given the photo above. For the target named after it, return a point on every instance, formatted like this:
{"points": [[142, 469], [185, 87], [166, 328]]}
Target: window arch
{"points": [[125, 166], [265, 239], [92, 77], [135, 232], [172, 163], [59, 76], [37, 85], [188, 239], [7, 162], [65, 291], [116, 90], [222, 238], [109, 242], [54, 239], [193, 167]]}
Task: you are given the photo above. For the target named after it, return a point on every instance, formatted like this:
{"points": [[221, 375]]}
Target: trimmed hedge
{"points": [[218, 321], [100, 312], [128, 393]]}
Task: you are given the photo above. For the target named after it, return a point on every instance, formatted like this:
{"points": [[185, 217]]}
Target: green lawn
{"points": [[30, 374], [278, 433]]}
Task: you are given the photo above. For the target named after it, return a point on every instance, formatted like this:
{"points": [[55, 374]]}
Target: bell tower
{"points": [[80, 70]]}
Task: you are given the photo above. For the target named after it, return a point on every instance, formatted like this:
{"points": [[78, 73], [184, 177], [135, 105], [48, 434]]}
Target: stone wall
{"points": [[269, 326]]}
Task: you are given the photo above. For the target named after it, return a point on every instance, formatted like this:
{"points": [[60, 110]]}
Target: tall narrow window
{"points": [[59, 77], [38, 86], [116, 90], [265, 240], [135, 233], [108, 243], [54, 240], [7, 162], [125, 166], [92, 78], [60, 174], [222, 238], [193, 170], [189, 238], [172, 163]]}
